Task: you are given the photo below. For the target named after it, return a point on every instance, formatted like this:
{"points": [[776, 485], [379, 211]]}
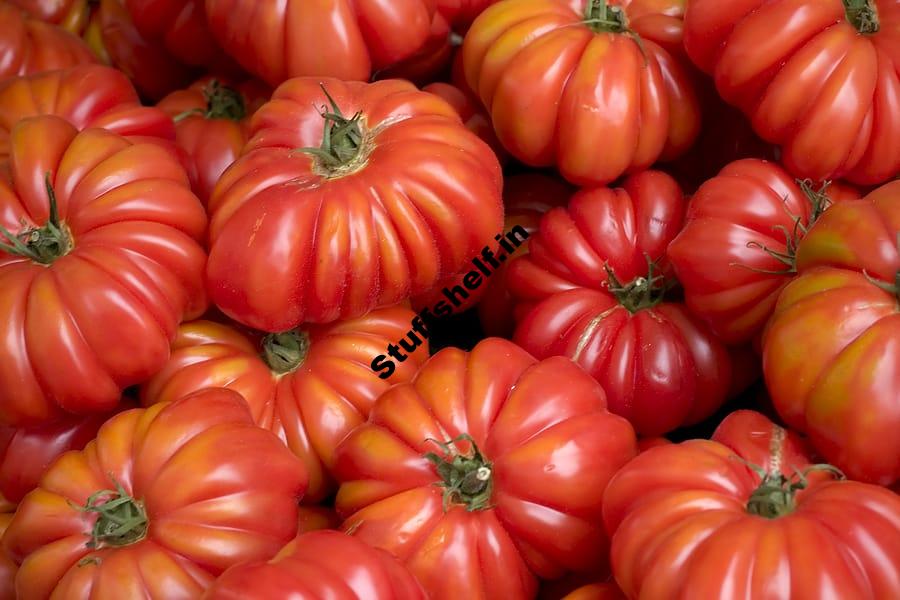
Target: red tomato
{"points": [[831, 353], [461, 13], [316, 518], [8, 567], [557, 77], [310, 387], [396, 197], [330, 38], [746, 516], [71, 15], [190, 487], [307, 569], [472, 114], [592, 288], [429, 63], [212, 122], [736, 252], [822, 82], [596, 591], [28, 45], [485, 471], [102, 249]]}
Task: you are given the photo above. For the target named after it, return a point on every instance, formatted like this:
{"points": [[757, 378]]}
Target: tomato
{"points": [[306, 569], [212, 121], [831, 353], [316, 518], [28, 45], [592, 72], [330, 38], [745, 515], [461, 13], [8, 566], [190, 487], [429, 63], [736, 252], [101, 249], [485, 471], [71, 15], [472, 114], [817, 77], [310, 386], [306, 229], [596, 591]]}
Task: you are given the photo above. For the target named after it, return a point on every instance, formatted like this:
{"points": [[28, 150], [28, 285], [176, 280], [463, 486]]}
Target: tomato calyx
{"points": [[642, 292], [284, 352], [862, 15], [467, 479], [343, 149], [776, 495], [121, 521], [45, 244], [222, 102], [603, 18]]}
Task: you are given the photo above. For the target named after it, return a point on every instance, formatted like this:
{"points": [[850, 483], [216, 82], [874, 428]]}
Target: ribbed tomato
{"points": [[472, 114], [461, 13], [71, 15], [431, 60], [328, 218]]}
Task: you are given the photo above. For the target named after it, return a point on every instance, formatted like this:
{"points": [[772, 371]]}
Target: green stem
{"points": [[863, 15], [342, 140], [121, 521], [641, 293], [285, 352], [776, 495], [222, 102], [467, 479], [45, 244]]}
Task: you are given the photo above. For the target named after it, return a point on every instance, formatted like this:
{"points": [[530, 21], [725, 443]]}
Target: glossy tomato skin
{"points": [[681, 528], [583, 86], [548, 445], [171, 457], [420, 200], [472, 114], [729, 279], [432, 59], [336, 38], [461, 13], [823, 91], [71, 15], [306, 569], [133, 269]]}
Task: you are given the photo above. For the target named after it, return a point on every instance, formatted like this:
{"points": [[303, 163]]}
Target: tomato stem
{"points": [[342, 141], [603, 18], [467, 479], [776, 495], [285, 352], [641, 293], [222, 102], [122, 520], [45, 244], [863, 15]]}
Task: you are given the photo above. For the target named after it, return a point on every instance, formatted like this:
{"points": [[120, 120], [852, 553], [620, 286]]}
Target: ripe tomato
{"points": [[818, 77], [28, 45], [429, 63], [313, 228], [315, 518], [306, 569], [190, 487], [596, 591], [212, 123], [331, 38], [746, 516], [485, 471], [101, 249], [831, 353], [737, 250], [461, 13], [8, 567], [592, 288], [310, 386], [593, 71], [472, 114], [71, 15]]}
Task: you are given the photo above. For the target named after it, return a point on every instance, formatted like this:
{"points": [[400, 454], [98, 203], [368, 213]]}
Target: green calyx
{"points": [[222, 102], [121, 519], [863, 15], [601, 17], [343, 142], [285, 352], [45, 244], [641, 293], [776, 495], [467, 479]]}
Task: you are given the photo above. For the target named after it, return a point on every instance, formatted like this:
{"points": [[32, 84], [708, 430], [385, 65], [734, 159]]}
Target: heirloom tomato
{"points": [[309, 386], [322, 565], [344, 39], [8, 566], [185, 489], [100, 261], [71, 15], [485, 472], [315, 518], [461, 13], [818, 77], [472, 114], [593, 288], [212, 123], [831, 353], [604, 95], [28, 45], [737, 249], [745, 515], [428, 64], [327, 217]]}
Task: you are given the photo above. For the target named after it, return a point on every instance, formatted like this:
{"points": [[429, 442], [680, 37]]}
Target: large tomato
{"points": [[485, 471], [831, 353], [185, 489], [584, 85], [743, 516], [71, 15], [593, 288], [818, 77], [344, 39], [100, 262], [28, 45], [212, 123], [472, 114], [461, 13], [310, 386], [328, 218], [737, 249], [432, 59], [306, 569]]}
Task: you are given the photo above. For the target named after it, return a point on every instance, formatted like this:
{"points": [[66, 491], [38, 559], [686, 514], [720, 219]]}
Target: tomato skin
{"points": [[812, 84], [689, 501], [316, 518], [428, 64], [440, 191], [541, 482], [472, 114], [461, 13], [306, 569], [596, 591], [71, 15], [8, 567], [73, 350], [583, 86], [171, 457]]}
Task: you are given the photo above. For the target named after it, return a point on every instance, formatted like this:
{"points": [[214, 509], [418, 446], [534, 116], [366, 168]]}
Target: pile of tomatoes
{"points": [[219, 219]]}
